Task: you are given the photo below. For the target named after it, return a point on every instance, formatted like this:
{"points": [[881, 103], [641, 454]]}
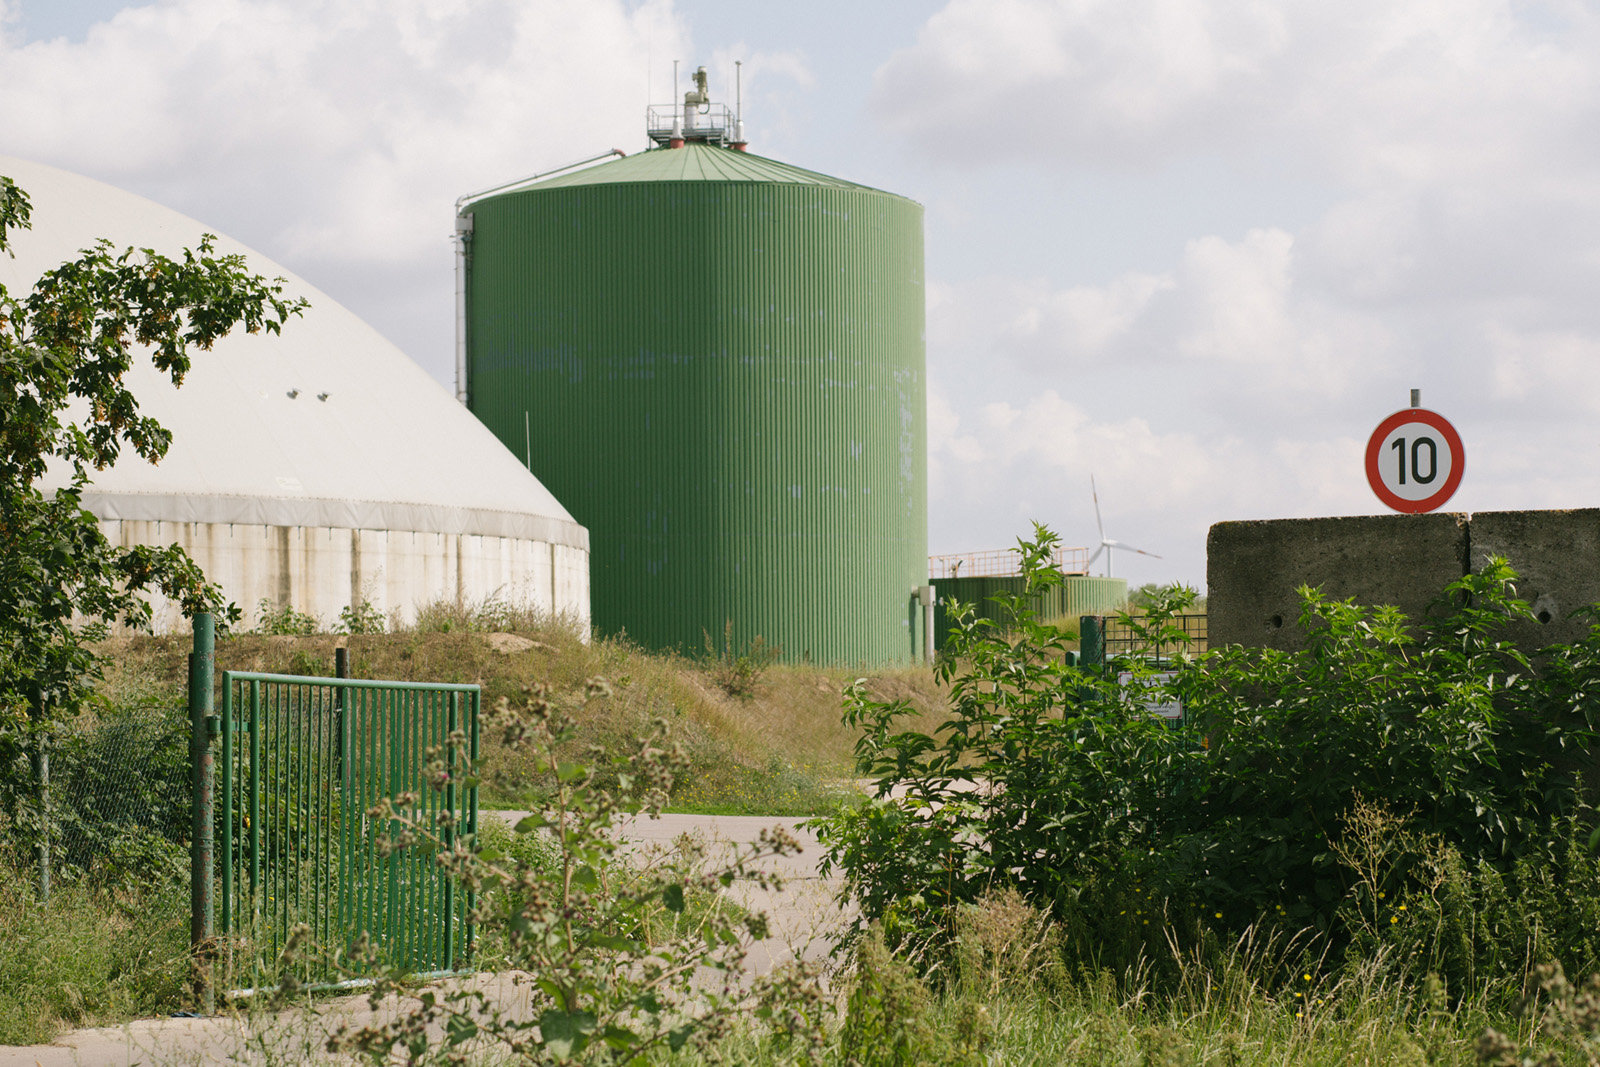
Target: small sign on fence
{"points": [[1164, 705]]}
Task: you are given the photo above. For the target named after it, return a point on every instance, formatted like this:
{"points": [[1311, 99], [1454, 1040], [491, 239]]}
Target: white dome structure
{"points": [[322, 468]]}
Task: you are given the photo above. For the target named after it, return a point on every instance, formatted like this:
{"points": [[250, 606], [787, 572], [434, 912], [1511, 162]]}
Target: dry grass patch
{"points": [[780, 749]]}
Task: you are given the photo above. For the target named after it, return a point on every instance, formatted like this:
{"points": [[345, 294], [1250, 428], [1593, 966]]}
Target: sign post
{"points": [[1415, 459]]}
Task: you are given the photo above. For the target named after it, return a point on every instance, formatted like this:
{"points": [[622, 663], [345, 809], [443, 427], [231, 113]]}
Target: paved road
{"points": [[803, 917]]}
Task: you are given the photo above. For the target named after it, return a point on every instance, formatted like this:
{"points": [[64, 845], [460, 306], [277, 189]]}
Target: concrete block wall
{"points": [[1254, 568]]}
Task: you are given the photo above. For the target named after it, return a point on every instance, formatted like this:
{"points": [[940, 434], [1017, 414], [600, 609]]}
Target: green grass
{"points": [[780, 788], [1221, 1017], [87, 958]]}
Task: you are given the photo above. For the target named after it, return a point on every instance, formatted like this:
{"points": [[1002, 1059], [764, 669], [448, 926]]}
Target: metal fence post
{"points": [[341, 669], [41, 773], [1091, 642], [201, 860]]}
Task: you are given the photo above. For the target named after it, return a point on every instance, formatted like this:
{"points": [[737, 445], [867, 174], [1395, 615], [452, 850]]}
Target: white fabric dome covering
{"points": [[320, 468]]}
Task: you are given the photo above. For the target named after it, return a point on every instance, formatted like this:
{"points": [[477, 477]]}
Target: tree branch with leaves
{"points": [[66, 350]]}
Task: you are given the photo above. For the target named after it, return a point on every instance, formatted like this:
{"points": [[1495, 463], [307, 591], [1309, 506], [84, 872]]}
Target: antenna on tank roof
{"points": [[676, 140], [738, 106]]}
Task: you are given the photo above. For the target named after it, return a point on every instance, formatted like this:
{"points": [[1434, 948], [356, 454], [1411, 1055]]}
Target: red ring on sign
{"points": [[1452, 440]]}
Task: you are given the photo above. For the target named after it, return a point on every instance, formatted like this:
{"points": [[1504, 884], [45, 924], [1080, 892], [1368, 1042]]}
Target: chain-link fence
{"points": [[112, 802]]}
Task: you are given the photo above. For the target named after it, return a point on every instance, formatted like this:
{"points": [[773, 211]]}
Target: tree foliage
{"points": [[66, 349]]}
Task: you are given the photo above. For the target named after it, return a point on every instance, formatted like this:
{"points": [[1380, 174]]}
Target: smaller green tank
{"points": [[1077, 595]]}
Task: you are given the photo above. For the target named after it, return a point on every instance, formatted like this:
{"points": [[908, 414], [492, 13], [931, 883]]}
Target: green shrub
{"points": [[1257, 812], [362, 618], [119, 797], [1046, 777], [1451, 727], [284, 621]]}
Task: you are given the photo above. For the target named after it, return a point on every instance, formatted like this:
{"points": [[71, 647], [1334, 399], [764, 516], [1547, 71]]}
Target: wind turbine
{"points": [[1106, 543]]}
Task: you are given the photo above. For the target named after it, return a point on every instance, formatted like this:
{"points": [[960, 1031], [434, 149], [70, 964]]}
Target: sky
{"points": [[1195, 249]]}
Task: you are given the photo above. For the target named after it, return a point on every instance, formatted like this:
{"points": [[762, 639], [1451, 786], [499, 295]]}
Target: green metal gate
{"points": [[303, 762]]}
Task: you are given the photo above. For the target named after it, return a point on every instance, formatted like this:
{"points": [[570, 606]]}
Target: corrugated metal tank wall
{"points": [[1076, 595], [723, 380]]}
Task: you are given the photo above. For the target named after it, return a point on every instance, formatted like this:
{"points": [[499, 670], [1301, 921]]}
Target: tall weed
{"points": [[622, 965]]}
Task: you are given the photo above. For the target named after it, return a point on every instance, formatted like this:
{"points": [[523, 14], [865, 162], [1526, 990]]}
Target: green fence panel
{"points": [[304, 763]]}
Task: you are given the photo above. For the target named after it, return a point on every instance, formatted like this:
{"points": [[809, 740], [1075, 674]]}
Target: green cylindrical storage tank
{"points": [[1078, 594], [715, 361]]}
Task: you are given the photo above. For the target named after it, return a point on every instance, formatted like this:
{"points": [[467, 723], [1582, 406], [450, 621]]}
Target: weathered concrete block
{"points": [[1557, 555], [1254, 568]]}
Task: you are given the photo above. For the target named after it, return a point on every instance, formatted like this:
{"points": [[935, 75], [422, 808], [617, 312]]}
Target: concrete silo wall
{"points": [[322, 571]]}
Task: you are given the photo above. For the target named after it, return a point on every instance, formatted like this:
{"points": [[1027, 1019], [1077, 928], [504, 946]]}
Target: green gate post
{"points": [[1091, 642], [201, 861], [341, 669]]}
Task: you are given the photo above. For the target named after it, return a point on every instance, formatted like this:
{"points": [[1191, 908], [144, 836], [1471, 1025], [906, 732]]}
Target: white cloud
{"points": [[1120, 75], [1237, 297], [1378, 90], [1084, 320], [336, 135], [1447, 237], [1558, 371], [1231, 321]]}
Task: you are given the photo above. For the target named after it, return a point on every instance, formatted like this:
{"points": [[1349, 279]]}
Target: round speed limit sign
{"points": [[1415, 460]]}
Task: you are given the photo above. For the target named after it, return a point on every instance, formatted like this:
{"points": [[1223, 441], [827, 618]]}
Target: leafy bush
{"points": [[1451, 728], [283, 620], [119, 799], [121, 789], [1257, 810], [361, 618], [1045, 777]]}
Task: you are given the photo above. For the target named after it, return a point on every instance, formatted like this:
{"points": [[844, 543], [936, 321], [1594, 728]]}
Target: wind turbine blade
{"points": [[1090, 561], [1141, 551], [1095, 493]]}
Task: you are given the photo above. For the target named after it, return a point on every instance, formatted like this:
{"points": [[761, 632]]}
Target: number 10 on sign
{"points": [[1415, 460]]}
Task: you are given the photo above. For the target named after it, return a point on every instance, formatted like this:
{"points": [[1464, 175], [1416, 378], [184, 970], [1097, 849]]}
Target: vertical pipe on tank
{"points": [[463, 237], [928, 597]]}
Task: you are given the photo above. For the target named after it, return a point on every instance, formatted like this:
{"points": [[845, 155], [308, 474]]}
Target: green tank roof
{"points": [[694, 163]]}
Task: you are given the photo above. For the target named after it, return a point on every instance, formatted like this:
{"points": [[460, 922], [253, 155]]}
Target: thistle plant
{"points": [[614, 961]]}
